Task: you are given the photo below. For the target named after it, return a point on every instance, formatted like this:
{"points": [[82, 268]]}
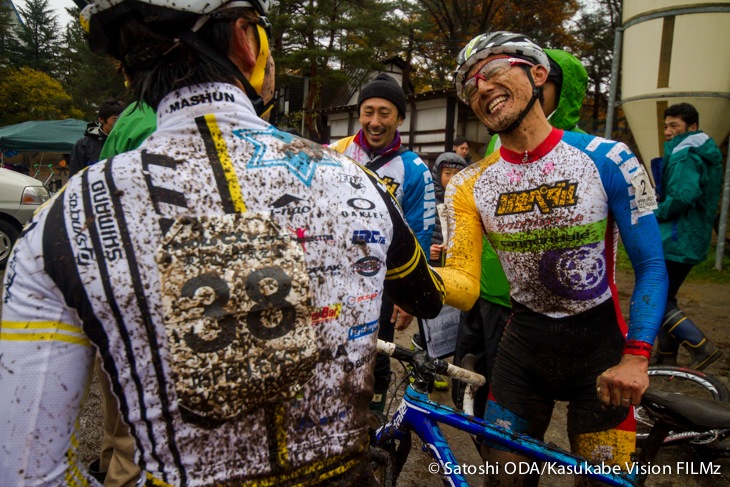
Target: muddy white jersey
{"points": [[230, 276], [554, 215]]}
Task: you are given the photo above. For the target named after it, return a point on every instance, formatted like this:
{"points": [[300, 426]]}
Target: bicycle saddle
{"points": [[687, 412]]}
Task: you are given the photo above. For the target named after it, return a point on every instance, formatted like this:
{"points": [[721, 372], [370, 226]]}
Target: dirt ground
{"points": [[707, 304]]}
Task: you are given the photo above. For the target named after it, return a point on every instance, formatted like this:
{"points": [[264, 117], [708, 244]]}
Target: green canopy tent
{"points": [[42, 136]]}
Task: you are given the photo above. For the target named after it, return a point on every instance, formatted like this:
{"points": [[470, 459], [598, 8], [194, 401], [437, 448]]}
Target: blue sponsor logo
{"points": [[368, 237], [360, 331]]}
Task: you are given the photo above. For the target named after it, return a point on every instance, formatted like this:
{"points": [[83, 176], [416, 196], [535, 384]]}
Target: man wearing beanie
{"points": [[381, 107]]}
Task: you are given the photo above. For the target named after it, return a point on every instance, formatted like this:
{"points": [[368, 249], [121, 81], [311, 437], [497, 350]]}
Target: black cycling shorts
{"points": [[542, 359]]}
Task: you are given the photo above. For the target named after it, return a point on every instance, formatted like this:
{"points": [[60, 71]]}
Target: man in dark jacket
{"points": [[691, 183], [87, 149]]}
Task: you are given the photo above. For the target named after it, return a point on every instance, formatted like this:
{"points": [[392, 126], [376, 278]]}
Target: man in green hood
{"points": [[480, 329]]}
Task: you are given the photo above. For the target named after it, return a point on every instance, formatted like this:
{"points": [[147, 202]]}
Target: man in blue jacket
{"points": [[691, 183], [381, 106]]}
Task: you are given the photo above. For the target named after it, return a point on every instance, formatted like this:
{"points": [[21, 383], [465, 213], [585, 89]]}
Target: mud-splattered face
{"points": [[499, 98]]}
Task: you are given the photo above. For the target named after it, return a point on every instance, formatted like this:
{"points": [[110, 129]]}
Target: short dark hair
{"points": [[109, 108], [458, 140], [686, 112]]}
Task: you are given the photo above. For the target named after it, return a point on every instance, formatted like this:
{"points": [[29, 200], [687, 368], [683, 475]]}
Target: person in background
{"points": [[446, 166], [87, 149], [224, 318], [481, 328], [461, 147], [691, 186], [551, 203], [381, 106], [134, 125]]}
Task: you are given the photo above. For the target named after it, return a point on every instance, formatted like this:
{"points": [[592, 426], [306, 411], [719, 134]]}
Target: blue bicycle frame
{"points": [[419, 414]]}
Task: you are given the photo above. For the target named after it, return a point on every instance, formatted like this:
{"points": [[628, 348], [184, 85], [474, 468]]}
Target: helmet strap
{"points": [[535, 97]]}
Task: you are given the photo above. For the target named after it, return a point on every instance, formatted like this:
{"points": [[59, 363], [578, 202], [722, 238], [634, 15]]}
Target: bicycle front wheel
{"points": [[683, 381]]}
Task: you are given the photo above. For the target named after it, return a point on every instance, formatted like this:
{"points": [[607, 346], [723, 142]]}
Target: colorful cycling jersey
{"points": [[230, 276], [409, 179], [552, 216]]}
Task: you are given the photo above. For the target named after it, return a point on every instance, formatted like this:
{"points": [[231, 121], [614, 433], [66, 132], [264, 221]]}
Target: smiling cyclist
{"points": [[551, 202]]}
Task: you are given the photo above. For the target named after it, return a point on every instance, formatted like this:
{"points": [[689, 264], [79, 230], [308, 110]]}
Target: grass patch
{"points": [[702, 272]]}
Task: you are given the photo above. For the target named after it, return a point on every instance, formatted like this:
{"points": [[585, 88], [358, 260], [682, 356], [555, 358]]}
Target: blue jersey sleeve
{"points": [[419, 201], [631, 200]]}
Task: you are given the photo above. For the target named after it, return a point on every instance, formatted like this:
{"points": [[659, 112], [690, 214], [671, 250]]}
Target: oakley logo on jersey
{"points": [[367, 266], [362, 209], [290, 205], [360, 204], [367, 237], [545, 198]]}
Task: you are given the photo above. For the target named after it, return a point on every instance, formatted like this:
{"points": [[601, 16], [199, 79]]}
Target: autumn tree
{"points": [[596, 31], [28, 94], [330, 43], [452, 23], [89, 78], [36, 42], [6, 33]]}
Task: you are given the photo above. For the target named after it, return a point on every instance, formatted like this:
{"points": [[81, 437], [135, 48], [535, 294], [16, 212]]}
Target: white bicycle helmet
{"points": [[105, 12], [181, 21], [500, 42]]}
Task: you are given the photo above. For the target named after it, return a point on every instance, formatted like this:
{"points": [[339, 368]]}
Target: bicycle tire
{"points": [[684, 381]]}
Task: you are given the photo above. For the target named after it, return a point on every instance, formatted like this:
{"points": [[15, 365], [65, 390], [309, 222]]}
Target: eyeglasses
{"points": [[489, 71]]}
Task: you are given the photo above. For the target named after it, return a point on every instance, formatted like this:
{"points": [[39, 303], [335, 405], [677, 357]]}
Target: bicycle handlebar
{"points": [[442, 367]]}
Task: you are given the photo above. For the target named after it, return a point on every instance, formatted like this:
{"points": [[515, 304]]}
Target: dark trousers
{"points": [[677, 273]]}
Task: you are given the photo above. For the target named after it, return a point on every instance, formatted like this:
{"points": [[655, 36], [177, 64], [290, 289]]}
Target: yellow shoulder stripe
{"points": [[42, 331], [234, 187]]}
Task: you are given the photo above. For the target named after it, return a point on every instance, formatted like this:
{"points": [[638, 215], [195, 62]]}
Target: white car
{"points": [[20, 196]]}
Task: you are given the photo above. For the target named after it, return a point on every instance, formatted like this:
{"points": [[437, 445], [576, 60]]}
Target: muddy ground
{"points": [[707, 304]]}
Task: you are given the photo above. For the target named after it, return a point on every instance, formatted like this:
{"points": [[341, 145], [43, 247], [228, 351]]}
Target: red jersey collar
{"points": [[538, 152]]}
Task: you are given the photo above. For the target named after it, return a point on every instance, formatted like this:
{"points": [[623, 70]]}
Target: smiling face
{"points": [[502, 94], [380, 121]]}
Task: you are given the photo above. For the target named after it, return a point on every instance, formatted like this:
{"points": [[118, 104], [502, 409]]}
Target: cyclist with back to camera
{"points": [[550, 202], [225, 272]]}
